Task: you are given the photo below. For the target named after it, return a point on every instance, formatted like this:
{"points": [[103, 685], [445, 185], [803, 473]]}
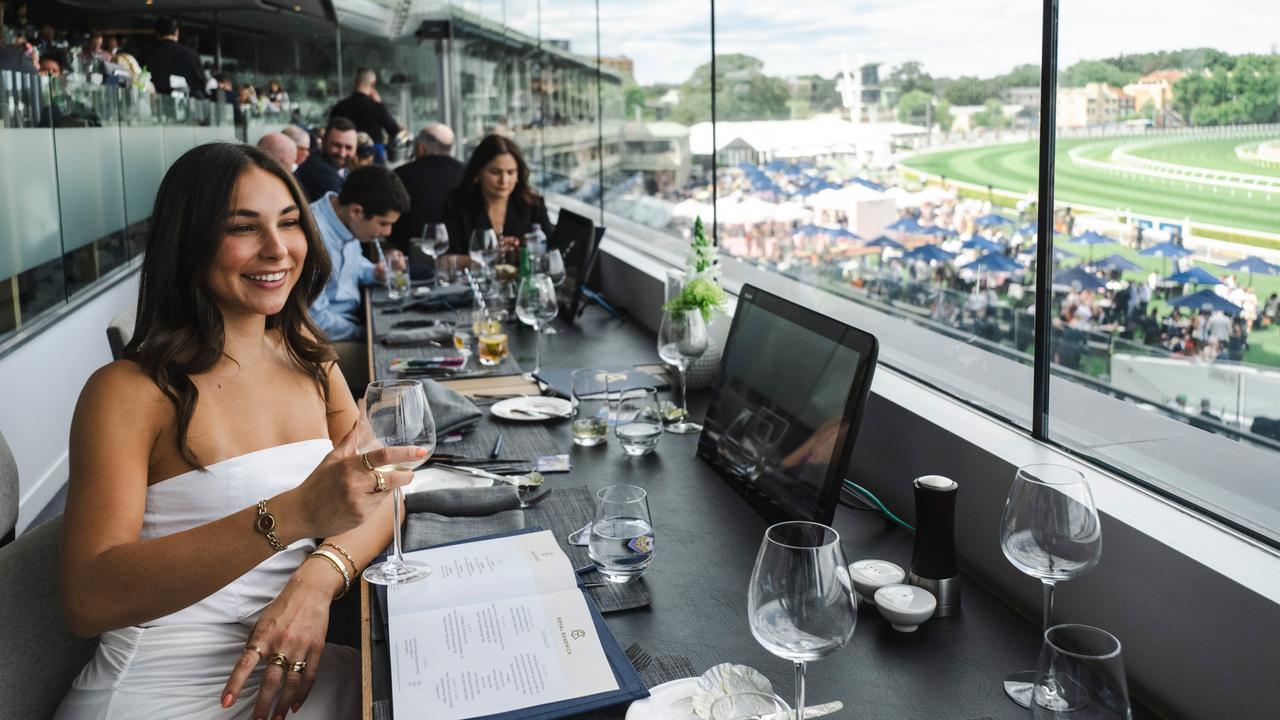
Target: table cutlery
{"points": [[537, 413], [809, 712]]}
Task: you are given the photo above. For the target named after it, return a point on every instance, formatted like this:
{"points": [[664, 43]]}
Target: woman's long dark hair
{"points": [[489, 148], [179, 331]]}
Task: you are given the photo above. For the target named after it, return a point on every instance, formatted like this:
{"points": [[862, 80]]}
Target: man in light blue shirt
{"points": [[370, 202]]}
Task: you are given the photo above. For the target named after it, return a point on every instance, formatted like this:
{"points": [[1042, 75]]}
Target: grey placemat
{"points": [[382, 355], [566, 510], [520, 441]]}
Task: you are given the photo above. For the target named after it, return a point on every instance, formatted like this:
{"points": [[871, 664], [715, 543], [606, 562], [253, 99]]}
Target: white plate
{"points": [[437, 478], [668, 701], [544, 408]]}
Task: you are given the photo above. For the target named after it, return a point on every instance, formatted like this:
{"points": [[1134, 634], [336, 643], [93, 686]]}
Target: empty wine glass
{"points": [[801, 605], [682, 337], [435, 244], [398, 415], [484, 249], [1080, 676], [536, 306], [553, 266], [1049, 530]]}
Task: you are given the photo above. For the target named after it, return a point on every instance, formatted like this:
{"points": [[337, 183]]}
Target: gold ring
{"points": [[278, 659], [381, 482], [364, 458], [298, 666], [254, 647]]}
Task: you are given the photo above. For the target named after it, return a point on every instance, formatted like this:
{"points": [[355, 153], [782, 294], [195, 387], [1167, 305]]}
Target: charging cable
{"points": [[864, 495]]}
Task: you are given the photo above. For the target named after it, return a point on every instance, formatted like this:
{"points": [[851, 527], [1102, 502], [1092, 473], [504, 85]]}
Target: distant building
{"points": [[1025, 96], [620, 64], [1015, 116], [1153, 93], [759, 142], [1093, 104]]}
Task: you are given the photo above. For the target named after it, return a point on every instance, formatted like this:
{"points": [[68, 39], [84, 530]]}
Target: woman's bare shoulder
{"points": [[126, 388]]}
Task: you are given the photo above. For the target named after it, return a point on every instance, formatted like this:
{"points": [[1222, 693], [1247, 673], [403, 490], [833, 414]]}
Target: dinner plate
{"points": [[532, 408], [438, 478], [668, 701]]}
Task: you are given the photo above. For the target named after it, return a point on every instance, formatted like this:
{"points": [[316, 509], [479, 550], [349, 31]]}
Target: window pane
{"points": [[849, 141], [1168, 172], [656, 89]]}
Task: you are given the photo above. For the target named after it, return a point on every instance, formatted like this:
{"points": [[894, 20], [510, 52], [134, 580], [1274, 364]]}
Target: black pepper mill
{"points": [[933, 562]]}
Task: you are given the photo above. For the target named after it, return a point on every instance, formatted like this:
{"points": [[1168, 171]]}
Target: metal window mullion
{"points": [[1044, 221]]}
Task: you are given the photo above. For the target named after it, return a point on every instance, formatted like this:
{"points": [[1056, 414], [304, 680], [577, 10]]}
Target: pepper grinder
{"points": [[933, 561]]}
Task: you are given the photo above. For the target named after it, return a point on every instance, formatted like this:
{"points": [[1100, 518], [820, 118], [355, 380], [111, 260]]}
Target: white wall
{"points": [[39, 384]]}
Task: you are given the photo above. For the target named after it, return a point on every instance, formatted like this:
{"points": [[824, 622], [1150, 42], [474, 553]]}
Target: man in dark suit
{"points": [[325, 171], [433, 173], [365, 109], [171, 58]]}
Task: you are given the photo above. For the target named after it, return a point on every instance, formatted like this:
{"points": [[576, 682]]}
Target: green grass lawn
{"points": [[1211, 153], [1013, 168]]}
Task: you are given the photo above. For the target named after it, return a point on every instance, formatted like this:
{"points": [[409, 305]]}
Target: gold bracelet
{"points": [[265, 524], [354, 568], [337, 565]]}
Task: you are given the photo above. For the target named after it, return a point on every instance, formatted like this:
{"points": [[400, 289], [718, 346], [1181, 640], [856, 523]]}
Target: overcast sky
{"points": [[975, 37]]}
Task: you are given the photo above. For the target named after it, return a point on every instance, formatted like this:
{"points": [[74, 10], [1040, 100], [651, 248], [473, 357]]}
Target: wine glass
{"points": [[536, 306], [484, 249], [435, 244], [1049, 530], [682, 337], [398, 415], [1081, 676], [801, 604], [553, 266]]}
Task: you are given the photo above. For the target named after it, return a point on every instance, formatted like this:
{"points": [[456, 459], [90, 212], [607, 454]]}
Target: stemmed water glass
{"points": [[536, 306], [484, 249], [398, 415], [552, 264], [1049, 530], [801, 604], [682, 337], [435, 244]]}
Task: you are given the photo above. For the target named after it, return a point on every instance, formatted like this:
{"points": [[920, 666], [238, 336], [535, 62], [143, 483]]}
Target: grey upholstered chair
{"points": [[41, 657], [8, 493], [120, 330]]}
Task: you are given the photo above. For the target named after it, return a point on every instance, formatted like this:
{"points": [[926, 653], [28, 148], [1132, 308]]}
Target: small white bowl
{"points": [[870, 575], [906, 607]]}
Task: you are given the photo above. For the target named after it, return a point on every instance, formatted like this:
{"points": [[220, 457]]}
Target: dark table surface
{"points": [[706, 538]]}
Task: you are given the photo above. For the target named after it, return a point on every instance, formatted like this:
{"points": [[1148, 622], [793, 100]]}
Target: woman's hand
{"points": [[294, 625], [342, 493]]}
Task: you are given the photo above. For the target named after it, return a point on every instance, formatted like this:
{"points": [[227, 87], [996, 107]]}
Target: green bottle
{"points": [[526, 266]]}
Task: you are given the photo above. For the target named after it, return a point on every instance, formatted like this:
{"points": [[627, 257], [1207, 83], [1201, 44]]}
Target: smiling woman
{"points": [[188, 527]]}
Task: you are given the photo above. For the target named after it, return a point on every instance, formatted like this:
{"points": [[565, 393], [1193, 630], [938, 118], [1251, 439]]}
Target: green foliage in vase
{"points": [[701, 289]]}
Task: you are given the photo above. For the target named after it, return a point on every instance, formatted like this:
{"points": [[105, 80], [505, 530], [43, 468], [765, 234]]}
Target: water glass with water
{"points": [[621, 543], [397, 284], [639, 425], [590, 407]]}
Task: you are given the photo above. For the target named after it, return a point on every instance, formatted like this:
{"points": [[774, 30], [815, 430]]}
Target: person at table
{"points": [[325, 171], [217, 501], [370, 202], [493, 193], [431, 175]]}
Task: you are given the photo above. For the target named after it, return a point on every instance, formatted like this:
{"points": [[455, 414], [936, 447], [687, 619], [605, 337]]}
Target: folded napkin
{"points": [[453, 412], [419, 336], [452, 297], [442, 516]]}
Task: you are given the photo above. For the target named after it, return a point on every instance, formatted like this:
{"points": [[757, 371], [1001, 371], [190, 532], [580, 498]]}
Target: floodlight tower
{"points": [[851, 90]]}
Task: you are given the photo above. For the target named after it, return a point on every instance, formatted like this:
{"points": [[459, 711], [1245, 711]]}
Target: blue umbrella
{"points": [[845, 233], [904, 224], [992, 220], [1092, 238], [1206, 298], [1117, 262], [884, 241], [995, 262], [1165, 250], [1079, 276], [1197, 275], [1029, 229], [929, 253], [981, 244], [810, 229], [1253, 265]]}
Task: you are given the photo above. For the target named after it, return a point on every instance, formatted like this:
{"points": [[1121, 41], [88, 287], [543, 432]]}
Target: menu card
{"points": [[499, 626]]}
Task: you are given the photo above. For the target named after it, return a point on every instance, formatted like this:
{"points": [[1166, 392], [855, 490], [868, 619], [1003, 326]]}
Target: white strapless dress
{"points": [[176, 666]]}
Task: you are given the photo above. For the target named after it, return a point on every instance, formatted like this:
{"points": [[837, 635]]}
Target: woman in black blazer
{"points": [[494, 194]]}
